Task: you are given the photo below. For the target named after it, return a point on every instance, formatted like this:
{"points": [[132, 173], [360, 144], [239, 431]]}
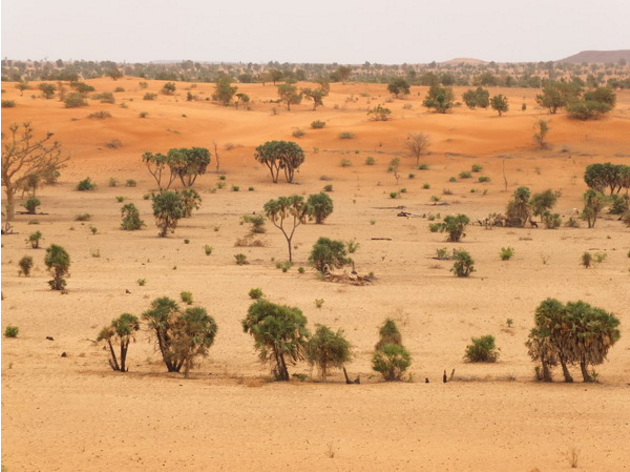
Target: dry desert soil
{"points": [[75, 414]]}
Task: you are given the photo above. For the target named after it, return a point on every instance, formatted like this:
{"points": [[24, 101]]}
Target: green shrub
{"points": [[346, 162], [423, 166], [319, 207], [141, 282], [442, 254], [328, 188], [328, 252], [113, 182], [506, 253], [587, 258], [11, 331], [346, 135], [74, 100], [452, 179], [426, 186], [454, 226], [207, 249], [8, 103], [130, 183], [143, 114], [319, 303], [31, 205], [100, 115], [464, 264], [412, 175], [465, 175], [83, 217], [187, 297], [482, 349], [391, 361], [318, 124], [86, 185], [149, 96], [241, 259], [104, 97], [388, 334], [370, 161], [26, 264], [393, 195], [57, 261], [131, 218], [551, 220], [119, 90], [476, 168], [483, 178], [256, 293], [327, 349], [298, 133], [435, 227], [34, 239]]}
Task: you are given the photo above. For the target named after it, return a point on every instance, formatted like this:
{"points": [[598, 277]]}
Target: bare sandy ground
{"points": [[74, 413]]}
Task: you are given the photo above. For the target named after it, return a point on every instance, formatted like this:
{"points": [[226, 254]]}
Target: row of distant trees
{"points": [[491, 74]]}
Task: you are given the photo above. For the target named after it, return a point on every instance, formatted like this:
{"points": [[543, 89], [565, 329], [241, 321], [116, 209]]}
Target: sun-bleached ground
{"points": [[74, 413]]}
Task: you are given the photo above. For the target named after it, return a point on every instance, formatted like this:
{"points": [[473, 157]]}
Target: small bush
{"points": [[104, 97], [86, 185], [423, 167], [141, 282], [482, 349], [149, 96], [483, 178], [476, 168], [551, 220], [83, 217], [506, 253], [241, 259], [143, 114], [187, 297], [442, 254], [100, 115], [113, 144], [74, 100], [130, 183], [120, 199], [328, 188], [8, 103], [465, 175], [464, 264], [318, 124], [235, 188], [119, 89], [143, 85], [391, 361], [587, 258], [207, 249], [327, 349], [256, 293], [34, 239], [11, 331], [298, 133], [452, 179], [319, 303], [113, 182], [26, 264], [370, 161], [346, 135], [31, 205], [435, 227], [393, 195], [346, 162], [412, 176], [426, 186]]}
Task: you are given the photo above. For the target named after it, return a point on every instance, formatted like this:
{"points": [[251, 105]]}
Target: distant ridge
{"points": [[463, 60], [598, 57]]}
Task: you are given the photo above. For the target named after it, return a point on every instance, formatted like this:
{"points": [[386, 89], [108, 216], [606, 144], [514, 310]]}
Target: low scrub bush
{"points": [[86, 185], [482, 349]]}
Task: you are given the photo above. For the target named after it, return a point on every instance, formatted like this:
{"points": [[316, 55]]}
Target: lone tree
{"points": [[48, 90], [26, 159], [541, 129], [188, 164], [168, 208], [556, 95], [290, 211], [181, 336], [390, 358], [594, 203], [328, 252], [289, 94], [240, 98], [276, 155], [157, 164], [379, 113], [317, 94], [279, 333], [398, 86], [500, 104], [223, 91], [518, 209], [455, 227], [439, 98], [320, 207], [327, 349], [120, 331], [417, 144], [58, 262]]}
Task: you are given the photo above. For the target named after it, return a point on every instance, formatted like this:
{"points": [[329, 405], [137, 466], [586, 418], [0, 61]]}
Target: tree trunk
{"points": [[584, 368], [546, 372], [113, 362], [10, 192], [124, 345], [290, 250], [565, 371]]}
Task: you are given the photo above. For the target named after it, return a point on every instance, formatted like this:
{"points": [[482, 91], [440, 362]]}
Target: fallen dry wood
{"points": [[381, 239]]}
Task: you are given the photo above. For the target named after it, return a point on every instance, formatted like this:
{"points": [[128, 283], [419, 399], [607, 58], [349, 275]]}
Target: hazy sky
{"points": [[343, 31]]}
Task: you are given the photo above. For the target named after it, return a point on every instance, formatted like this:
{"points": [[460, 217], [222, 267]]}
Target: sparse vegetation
{"points": [[327, 349], [464, 264], [57, 261], [482, 349]]}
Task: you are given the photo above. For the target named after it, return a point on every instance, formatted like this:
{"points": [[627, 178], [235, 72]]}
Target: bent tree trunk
{"points": [[565, 370], [584, 368], [10, 193], [113, 363]]}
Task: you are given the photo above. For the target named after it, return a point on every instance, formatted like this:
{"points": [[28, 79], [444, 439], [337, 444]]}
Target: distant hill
{"points": [[598, 57], [463, 60]]}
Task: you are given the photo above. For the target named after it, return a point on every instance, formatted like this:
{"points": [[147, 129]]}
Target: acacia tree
{"points": [[398, 86], [279, 333], [416, 144], [291, 211], [121, 330], [317, 94], [240, 98], [58, 262], [455, 227], [188, 164], [320, 207], [26, 159], [439, 98], [276, 155], [288, 93], [327, 349], [223, 91], [500, 104], [168, 208], [557, 95], [157, 164]]}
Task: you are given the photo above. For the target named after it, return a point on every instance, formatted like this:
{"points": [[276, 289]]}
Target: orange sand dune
{"points": [[73, 413]]}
